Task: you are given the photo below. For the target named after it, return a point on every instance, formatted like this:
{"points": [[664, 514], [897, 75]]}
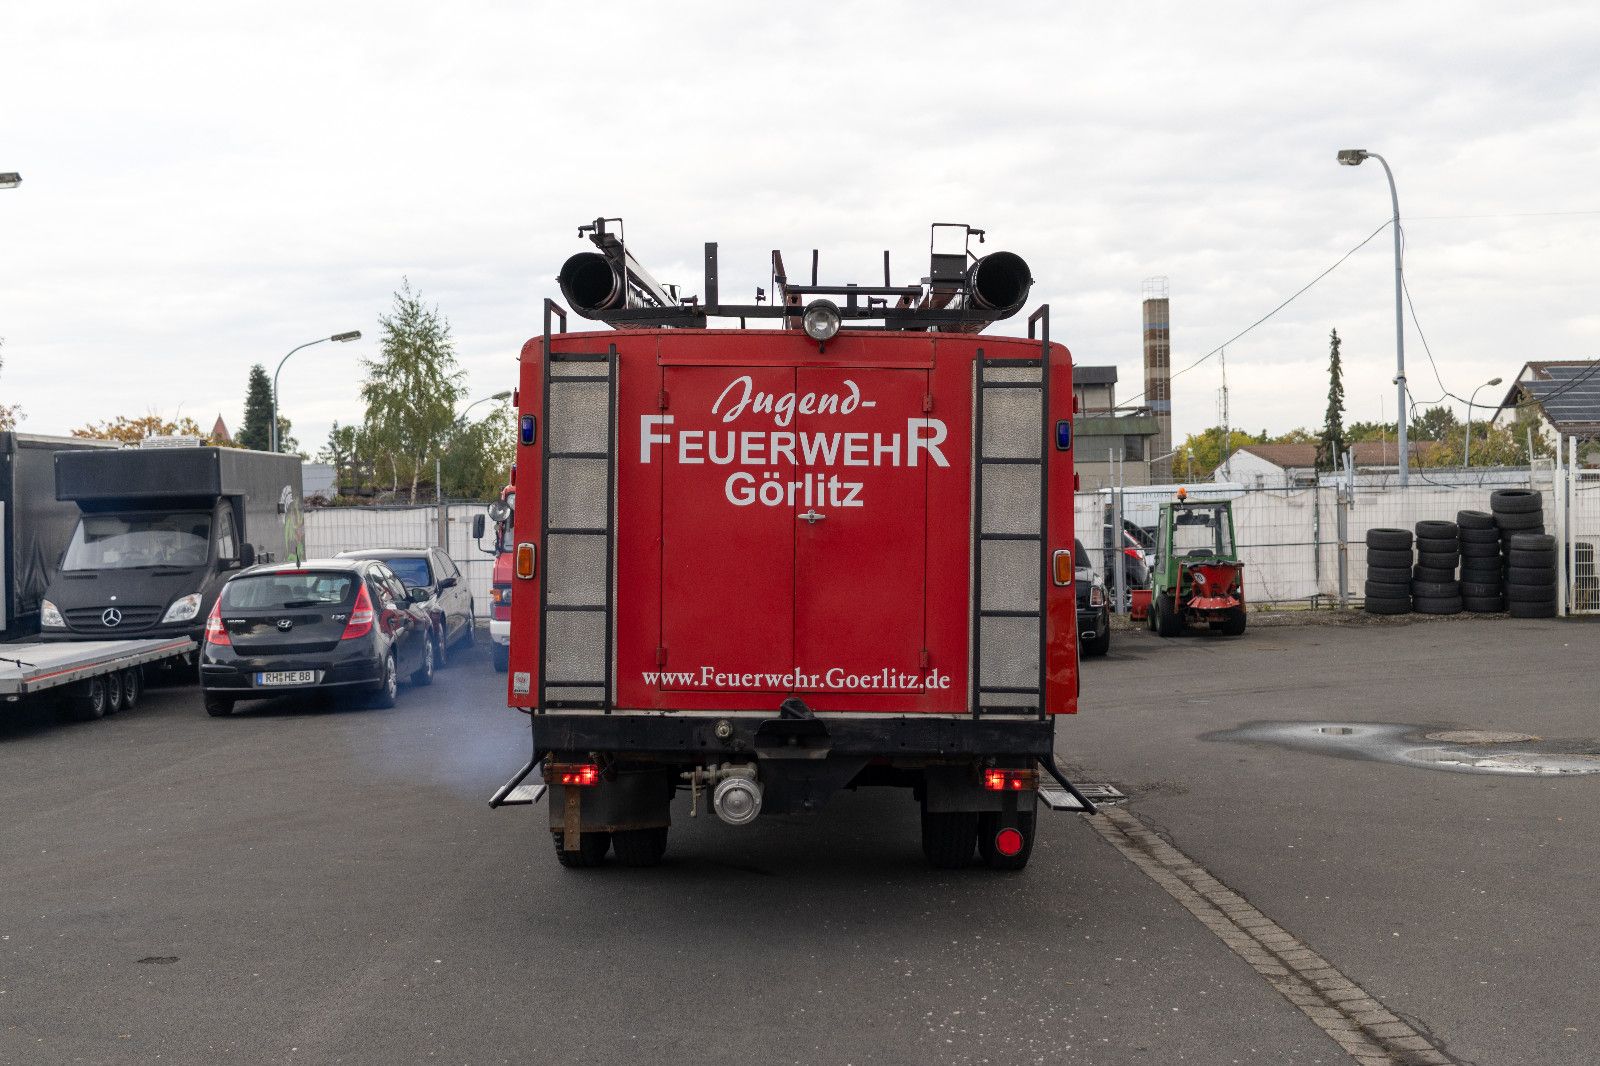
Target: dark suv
{"points": [[1094, 606], [450, 602], [346, 624]]}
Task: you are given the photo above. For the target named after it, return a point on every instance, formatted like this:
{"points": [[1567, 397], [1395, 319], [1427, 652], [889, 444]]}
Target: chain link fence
{"points": [[1306, 546]]}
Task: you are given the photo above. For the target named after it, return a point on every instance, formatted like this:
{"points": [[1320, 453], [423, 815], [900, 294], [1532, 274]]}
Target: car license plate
{"points": [[287, 677]]}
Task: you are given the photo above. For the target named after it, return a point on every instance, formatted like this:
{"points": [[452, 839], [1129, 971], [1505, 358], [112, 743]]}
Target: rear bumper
{"points": [[1092, 621], [235, 677], [702, 738]]}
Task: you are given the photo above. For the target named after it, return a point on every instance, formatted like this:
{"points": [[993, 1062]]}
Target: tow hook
{"points": [[735, 792]]}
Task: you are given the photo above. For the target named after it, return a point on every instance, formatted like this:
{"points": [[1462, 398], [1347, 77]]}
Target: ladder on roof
{"points": [[577, 594], [1010, 555]]}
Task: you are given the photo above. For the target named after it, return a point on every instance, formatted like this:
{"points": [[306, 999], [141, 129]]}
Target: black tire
{"points": [[989, 825], [1479, 536], [1484, 604], [640, 847], [1389, 575], [86, 702], [1530, 594], [1532, 610], [592, 848], [1233, 622], [1389, 539], [1377, 606], [470, 638], [1543, 560], [1439, 560], [1538, 542], [132, 687], [1430, 605], [502, 658], [1515, 501], [1482, 590], [1389, 559], [1478, 550], [1520, 522], [1375, 591], [114, 692], [441, 648], [1488, 564], [424, 674], [218, 706], [1168, 623], [387, 691], [1437, 530], [1474, 521], [1433, 573], [1531, 576], [1435, 590], [1438, 546], [949, 839]]}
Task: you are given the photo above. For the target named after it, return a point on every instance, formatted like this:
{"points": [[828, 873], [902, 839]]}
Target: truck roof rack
{"points": [[963, 292]]}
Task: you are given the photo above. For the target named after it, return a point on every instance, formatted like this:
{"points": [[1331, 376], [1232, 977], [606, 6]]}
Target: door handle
{"points": [[813, 517]]}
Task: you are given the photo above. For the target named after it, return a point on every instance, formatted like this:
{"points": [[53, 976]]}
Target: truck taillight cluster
{"points": [[579, 774], [1000, 780]]}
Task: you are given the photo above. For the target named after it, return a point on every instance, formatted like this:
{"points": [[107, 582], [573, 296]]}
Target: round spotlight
{"points": [[498, 511], [821, 320]]}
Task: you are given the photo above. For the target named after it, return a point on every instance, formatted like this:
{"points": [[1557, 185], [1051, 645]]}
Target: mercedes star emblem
{"points": [[111, 616]]}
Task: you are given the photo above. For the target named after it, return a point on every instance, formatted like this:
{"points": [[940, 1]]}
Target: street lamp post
{"points": [[1354, 157], [10, 180], [506, 395], [272, 430], [1466, 452]]}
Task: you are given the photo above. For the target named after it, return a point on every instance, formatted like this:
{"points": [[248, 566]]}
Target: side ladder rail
{"points": [[986, 385], [580, 368]]}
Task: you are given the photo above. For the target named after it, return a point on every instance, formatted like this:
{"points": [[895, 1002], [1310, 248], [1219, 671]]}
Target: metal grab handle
{"points": [[813, 517]]}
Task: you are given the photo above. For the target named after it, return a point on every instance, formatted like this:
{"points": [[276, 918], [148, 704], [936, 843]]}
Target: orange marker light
{"points": [[1061, 566], [526, 564]]}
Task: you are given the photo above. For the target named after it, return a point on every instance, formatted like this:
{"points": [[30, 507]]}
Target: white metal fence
{"points": [[330, 530], [1291, 540], [1578, 527]]}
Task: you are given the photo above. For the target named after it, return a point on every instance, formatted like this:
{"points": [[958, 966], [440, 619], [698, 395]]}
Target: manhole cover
{"points": [[1480, 736]]}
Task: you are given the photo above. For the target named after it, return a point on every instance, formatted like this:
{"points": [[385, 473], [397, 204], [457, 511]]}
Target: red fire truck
{"points": [[500, 513], [758, 566]]}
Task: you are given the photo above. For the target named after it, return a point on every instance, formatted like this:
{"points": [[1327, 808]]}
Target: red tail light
{"points": [[216, 632], [1000, 780], [581, 774], [360, 623], [1008, 842]]}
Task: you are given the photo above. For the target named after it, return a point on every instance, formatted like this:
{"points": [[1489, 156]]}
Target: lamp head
{"points": [[1352, 157], [1494, 381], [353, 335]]}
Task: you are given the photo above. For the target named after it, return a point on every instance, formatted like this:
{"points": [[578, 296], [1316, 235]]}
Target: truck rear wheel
{"points": [[1233, 622], [640, 847], [993, 847], [86, 703], [592, 848], [949, 838], [1167, 621], [132, 687]]}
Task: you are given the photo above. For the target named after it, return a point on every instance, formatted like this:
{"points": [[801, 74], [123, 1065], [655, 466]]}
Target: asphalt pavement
{"points": [[305, 882]]}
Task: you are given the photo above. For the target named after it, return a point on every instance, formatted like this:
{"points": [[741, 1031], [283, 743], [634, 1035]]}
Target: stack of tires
{"points": [[1389, 575], [1483, 589], [1434, 586], [1531, 575]]}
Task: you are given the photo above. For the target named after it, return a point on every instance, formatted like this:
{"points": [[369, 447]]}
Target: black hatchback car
{"points": [[450, 601], [345, 624]]}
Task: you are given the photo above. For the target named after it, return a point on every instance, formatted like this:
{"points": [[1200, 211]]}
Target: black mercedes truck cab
{"points": [[158, 532]]}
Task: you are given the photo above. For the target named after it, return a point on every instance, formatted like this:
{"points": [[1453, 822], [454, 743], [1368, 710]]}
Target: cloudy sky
{"points": [[207, 186]]}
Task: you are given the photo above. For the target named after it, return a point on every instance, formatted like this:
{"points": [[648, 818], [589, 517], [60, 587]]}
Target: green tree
{"points": [[133, 430], [340, 453], [411, 390], [255, 430], [1333, 418], [1436, 423], [1360, 431], [477, 460], [1203, 451]]}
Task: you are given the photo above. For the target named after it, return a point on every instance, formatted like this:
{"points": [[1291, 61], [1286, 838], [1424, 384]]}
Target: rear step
{"points": [[1059, 799]]}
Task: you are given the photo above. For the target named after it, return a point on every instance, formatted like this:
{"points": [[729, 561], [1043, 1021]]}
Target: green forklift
{"points": [[1196, 578]]}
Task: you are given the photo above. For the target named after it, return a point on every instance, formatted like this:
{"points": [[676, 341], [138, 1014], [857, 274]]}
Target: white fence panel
{"points": [[330, 530]]}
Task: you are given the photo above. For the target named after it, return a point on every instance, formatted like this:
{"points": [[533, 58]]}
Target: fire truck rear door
{"points": [[727, 558], [861, 525]]}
